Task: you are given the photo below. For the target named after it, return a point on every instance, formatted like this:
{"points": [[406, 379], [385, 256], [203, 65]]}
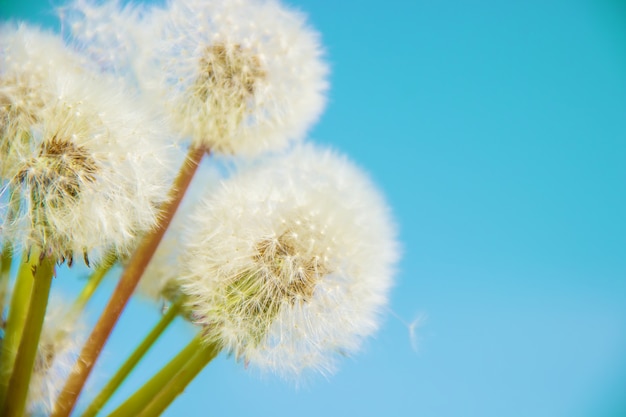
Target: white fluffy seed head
{"points": [[28, 60], [109, 32], [92, 171], [59, 345], [289, 263], [238, 76]]}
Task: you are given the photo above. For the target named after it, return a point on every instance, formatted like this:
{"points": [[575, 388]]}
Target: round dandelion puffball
{"points": [[237, 76], [289, 263], [59, 345], [28, 60], [93, 168]]}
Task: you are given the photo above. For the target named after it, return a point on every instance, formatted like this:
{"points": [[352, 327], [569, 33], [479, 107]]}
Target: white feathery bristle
{"points": [[59, 345], [95, 166], [238, 76], [289, 263], [158, 282], [28, 60]]}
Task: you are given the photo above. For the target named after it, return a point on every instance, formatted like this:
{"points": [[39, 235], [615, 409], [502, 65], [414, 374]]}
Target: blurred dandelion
{"points": [[239, 77]]}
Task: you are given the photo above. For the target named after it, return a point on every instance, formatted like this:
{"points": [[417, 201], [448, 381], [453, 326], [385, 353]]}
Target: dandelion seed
{"points": [[29, 59], [412, 331], [412, 327], [239, 77], [288, 265]]}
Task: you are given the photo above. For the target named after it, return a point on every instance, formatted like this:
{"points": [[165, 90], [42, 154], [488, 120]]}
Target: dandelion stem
{"points": [[19, 384], [134, 404], [92, 283], [132, 361], [18, 311], [6, 259], [125, 287], [177, 385]]}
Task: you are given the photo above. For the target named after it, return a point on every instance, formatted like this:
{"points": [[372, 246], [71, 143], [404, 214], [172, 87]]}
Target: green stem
{"points": [[27, 353], [133, 405], [93, 283], [6, 259], [178, 384], [20, 302], [132, 361]]}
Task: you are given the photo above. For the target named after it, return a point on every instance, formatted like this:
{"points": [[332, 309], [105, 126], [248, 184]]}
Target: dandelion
{"points": [[236, 76], [289, 263], [28, 60], [108, 32], [93, 168], [59, 344]]}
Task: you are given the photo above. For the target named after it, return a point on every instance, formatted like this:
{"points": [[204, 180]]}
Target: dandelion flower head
{"points": [[238, 76], [93, 169], [29, 58], [289, 264], [108, 32]]}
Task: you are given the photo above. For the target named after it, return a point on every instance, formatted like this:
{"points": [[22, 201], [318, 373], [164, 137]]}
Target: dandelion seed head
{"points": [[59, 345], [28, 59], [240, 76], [288, 264], [92, 170]]}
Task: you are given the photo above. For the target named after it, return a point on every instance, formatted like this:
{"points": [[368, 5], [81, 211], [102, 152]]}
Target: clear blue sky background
{"points": [[498, 132]]}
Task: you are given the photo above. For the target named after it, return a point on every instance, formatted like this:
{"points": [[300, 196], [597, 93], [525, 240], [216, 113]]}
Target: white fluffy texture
{"points": [[107, 31], [28, 60], [157, 282], [238, 76], [59, 345], [97, 165], [306, 243]]}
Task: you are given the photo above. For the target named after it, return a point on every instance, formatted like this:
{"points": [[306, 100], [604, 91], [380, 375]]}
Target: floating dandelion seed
{"points": [[412, 328], [288, 264], [240, 77]]}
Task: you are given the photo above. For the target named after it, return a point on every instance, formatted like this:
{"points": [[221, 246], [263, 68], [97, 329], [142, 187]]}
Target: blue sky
{"points": [[497, 131]]}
